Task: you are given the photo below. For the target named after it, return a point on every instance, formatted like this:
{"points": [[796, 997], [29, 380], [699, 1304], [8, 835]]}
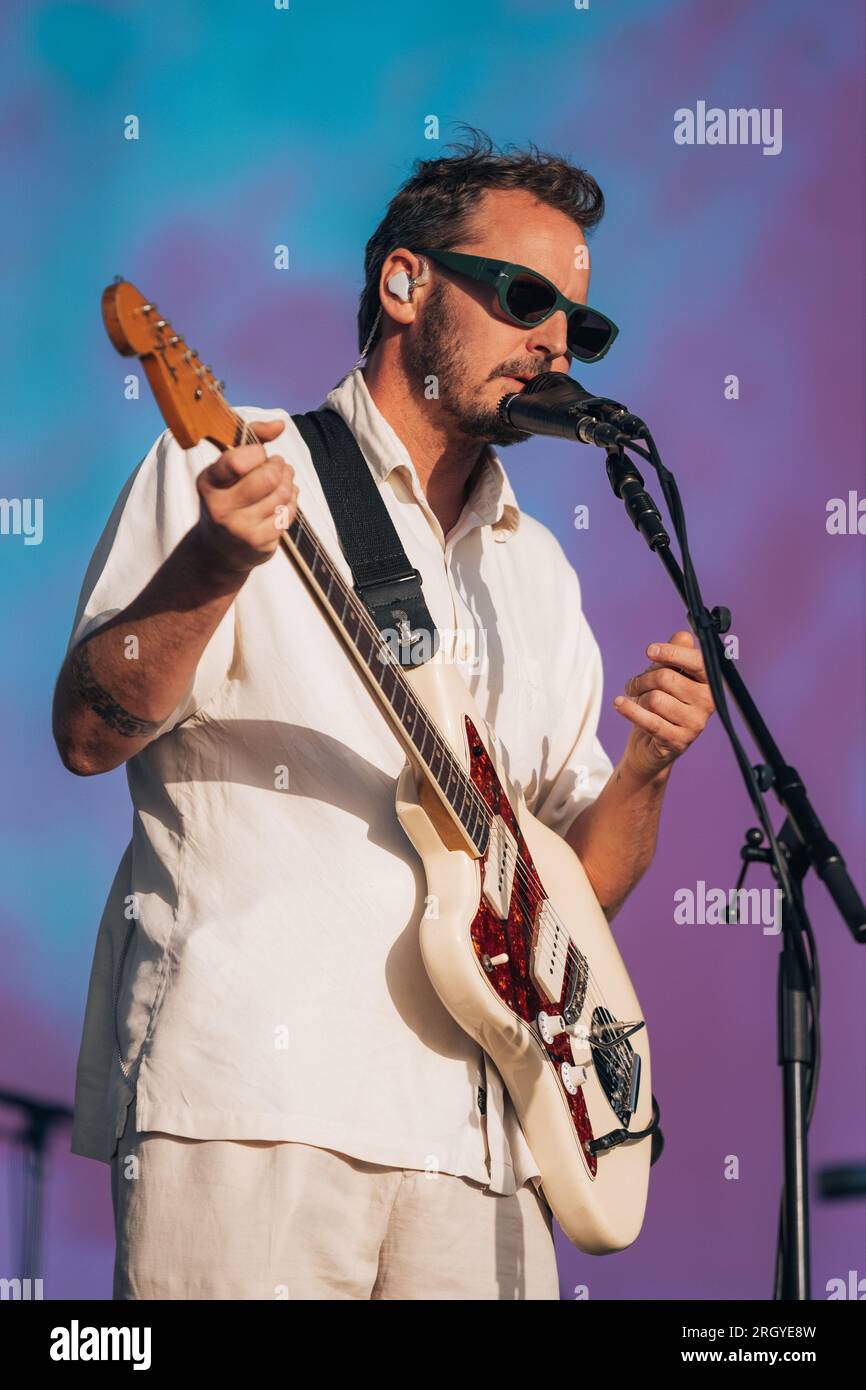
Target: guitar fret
{"points": [[428, 734], [452, 769], [390, 674]]}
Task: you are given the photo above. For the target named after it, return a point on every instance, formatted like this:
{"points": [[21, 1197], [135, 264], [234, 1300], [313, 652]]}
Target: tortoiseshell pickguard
{"points": [[493, 937]]}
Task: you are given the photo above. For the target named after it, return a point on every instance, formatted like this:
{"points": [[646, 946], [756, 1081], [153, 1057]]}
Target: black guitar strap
{"points": [[384, 579]]}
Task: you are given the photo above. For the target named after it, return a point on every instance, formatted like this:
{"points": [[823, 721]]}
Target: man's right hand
{"points": [[247, 499]]}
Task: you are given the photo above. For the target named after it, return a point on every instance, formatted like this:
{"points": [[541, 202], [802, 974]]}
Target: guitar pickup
{"points": [[499, 866], [550, 953]]}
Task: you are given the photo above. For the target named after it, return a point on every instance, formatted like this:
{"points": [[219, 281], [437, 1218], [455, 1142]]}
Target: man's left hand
{"points": [[669, 704]]}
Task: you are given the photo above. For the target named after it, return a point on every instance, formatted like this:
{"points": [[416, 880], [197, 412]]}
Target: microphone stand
{"points": [[40, 1119], [803, 843]]}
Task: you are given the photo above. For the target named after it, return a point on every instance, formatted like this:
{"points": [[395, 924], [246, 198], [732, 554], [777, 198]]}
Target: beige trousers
{"points": [[261, 1219]]}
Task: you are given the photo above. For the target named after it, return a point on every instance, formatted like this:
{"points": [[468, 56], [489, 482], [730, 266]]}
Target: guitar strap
{"points": [[385, 581]]}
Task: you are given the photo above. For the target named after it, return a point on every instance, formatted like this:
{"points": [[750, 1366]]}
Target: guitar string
{"points": [[528, 876]]}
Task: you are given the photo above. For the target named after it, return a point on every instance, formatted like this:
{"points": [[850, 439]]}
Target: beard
{"points": [[435, 351]]}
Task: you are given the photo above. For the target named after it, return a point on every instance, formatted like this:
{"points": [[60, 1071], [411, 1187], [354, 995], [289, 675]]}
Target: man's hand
{"points": [[669, 704], [247, 499]]}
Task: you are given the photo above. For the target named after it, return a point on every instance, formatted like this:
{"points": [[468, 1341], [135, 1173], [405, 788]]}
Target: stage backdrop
{"points": [[178, 145]]}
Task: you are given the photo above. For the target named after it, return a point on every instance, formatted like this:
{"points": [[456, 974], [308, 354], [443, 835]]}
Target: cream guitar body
{"points": [[597, 1199]]}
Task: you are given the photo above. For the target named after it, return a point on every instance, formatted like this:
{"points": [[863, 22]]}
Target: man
{"points": [[287, 1107]]}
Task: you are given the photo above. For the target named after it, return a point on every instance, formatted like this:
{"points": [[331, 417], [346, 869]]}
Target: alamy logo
{"points": [[76, 1343], [737, 126], [846, 519], [714, 906], [465, 647], [22, 516], [21, 1289], [854, 1288]]}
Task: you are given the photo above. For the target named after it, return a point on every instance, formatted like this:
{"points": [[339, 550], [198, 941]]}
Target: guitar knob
{"points": [[572, 1077], [550, 1026]]}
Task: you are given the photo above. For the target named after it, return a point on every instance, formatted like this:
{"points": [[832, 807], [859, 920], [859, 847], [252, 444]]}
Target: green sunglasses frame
{"points": [[500, 274]]}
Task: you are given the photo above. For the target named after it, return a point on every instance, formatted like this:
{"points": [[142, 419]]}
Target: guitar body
{"points": [[597, 1199]]}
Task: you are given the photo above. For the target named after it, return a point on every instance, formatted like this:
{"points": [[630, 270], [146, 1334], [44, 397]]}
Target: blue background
{"points": [[261, 127]]}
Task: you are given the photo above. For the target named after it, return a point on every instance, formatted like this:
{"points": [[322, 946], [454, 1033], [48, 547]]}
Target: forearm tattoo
{"points": [[103, 704]]}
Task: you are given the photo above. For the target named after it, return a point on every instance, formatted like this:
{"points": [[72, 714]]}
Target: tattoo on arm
{"points": [[103, 704]]}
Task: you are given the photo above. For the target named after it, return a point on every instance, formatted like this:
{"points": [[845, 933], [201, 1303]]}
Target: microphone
{"points": [[553, 403]]}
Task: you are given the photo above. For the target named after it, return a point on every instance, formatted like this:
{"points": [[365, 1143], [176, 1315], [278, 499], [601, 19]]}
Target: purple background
{"points": [[260, 127]]}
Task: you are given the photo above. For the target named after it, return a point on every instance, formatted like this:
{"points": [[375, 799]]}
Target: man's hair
{"points": [[434, 207]]}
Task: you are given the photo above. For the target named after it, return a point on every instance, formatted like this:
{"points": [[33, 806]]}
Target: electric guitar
{"points": [[521, 953]]}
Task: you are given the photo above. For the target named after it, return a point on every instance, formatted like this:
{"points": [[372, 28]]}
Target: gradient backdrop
{"points": [[261, 126]]}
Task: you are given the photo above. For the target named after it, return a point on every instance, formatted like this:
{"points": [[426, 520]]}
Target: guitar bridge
{"points": [[617, 1065]]}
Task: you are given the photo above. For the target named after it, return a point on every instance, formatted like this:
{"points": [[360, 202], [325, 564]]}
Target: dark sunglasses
{"points": [[528, 298]]}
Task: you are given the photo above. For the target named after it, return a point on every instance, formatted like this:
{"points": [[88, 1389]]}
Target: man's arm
{"points": [[113, 694], [615, 837], [668, 705]]}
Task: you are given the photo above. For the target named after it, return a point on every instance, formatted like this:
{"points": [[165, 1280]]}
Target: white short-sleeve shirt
{"points": [[257, 972]]}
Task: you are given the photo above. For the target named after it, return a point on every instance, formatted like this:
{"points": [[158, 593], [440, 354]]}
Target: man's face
{"points": [[461, 336]]}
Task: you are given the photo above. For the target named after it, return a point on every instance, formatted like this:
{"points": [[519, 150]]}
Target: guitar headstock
{"points": [[187, 392]]}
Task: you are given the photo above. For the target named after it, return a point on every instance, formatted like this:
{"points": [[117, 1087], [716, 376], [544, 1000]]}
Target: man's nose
{"points": [[551, 336]]}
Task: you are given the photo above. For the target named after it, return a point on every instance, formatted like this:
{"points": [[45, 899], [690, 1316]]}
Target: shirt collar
{"points": [[492, 497]]}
